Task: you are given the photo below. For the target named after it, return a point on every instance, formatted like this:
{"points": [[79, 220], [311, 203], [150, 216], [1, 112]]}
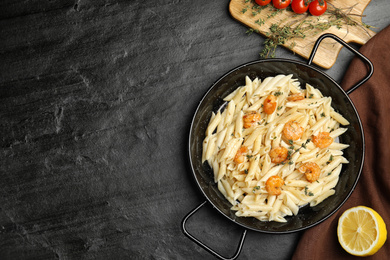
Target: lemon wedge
{"points": [[361, 231]]}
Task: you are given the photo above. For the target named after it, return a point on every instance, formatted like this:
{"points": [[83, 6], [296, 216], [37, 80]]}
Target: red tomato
{"points": [[318, 7], [262, 2], [299, 6], [281, 4]]}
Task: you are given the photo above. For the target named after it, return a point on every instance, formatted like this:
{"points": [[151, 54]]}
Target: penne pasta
{"points": [[249, 149], [215, 119], [339, 118]]}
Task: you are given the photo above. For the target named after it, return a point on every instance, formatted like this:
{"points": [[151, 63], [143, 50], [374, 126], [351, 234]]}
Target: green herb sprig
{"points": [[299, 28]]}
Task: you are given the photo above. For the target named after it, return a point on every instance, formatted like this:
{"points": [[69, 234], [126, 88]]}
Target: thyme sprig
{"points": [[284, 32], [297, 29], [345, 14]]}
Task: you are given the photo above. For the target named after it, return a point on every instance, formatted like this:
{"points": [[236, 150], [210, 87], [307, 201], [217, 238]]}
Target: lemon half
{"points": [[361, 231]]}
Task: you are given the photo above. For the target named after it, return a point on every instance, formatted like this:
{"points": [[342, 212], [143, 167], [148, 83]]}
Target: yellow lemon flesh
{"points": [[361, 231]]}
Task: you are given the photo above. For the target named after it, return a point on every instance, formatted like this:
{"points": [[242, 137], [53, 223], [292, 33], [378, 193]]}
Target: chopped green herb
{"points": [[250, 31], [330, 159], [307, 192], [255, 189], [260, 21]]}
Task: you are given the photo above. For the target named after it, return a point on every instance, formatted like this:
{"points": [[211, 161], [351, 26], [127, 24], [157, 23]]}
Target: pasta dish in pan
{"points": [[272, 148]]}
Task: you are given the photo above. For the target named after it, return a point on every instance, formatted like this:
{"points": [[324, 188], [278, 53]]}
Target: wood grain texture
{"points": [[327, 53]]}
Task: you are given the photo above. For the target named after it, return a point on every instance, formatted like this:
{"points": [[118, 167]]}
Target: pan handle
{"points": [[349, 47], [197, 241]]}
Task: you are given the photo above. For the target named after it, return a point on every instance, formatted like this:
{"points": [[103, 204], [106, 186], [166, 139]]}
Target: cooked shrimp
{"points": [[296, 97], [322, 140], [251, 119], [278, 154], [269, 104], [311, 170], [292, 130], [240, 155], [273, 184]]}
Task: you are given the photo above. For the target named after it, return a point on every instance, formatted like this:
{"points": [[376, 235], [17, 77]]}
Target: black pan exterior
{"points": [[213, 99]]}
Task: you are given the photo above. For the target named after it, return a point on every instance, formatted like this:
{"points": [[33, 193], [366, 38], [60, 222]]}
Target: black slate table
{"points": [[96, 100]]}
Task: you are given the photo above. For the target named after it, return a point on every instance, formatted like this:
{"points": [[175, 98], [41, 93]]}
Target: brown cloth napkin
{"points": [[372, 100]]}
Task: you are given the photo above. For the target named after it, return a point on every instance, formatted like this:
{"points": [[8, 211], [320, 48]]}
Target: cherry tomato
{"points": [[281, 4], [318, 7], [299, 6], [262, 2]]}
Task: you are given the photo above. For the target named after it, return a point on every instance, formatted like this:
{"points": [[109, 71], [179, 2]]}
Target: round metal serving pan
{"points": [[213, 100]]}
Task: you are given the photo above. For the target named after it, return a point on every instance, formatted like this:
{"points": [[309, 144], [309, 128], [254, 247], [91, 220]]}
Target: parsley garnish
{"points": [[330, 159], [255, 189], [307, 192]]}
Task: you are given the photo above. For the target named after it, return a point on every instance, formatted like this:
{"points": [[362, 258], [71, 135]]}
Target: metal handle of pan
{"points": [[197, 241], [349, 47]]}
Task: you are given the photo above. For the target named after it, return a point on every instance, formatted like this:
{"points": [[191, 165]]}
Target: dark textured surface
{"points": [[96, 100]]}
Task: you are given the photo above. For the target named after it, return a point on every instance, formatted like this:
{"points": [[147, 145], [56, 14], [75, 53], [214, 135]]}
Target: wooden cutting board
{"points": [[328, 51]]}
